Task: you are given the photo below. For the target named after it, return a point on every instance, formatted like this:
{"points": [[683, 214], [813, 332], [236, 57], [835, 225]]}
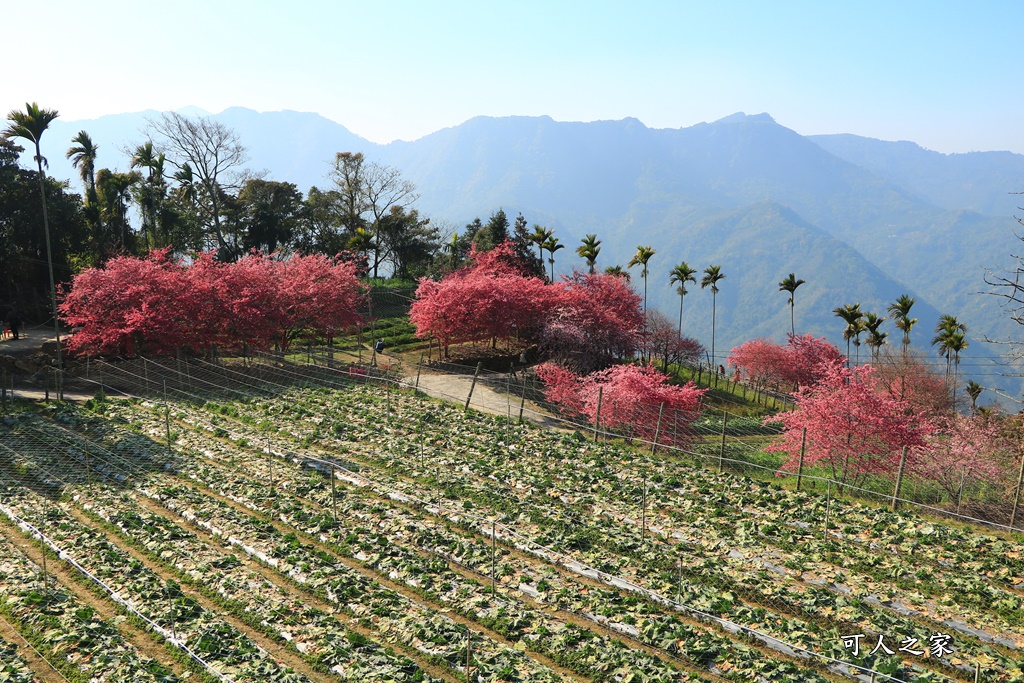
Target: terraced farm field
{"points": [[257, 527]]}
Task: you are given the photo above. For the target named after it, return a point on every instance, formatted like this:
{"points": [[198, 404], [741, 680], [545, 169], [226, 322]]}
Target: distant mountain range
{"points": [[860, 220]]}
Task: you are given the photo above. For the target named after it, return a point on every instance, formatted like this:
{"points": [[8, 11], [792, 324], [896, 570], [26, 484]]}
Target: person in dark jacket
{"points": [[14, 322]]}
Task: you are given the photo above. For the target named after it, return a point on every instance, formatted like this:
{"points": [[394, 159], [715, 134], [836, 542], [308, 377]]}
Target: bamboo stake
{"points": [[597, 420], [899, 480], [473, 385], [828, 504], [493, 552], [800, 469]]}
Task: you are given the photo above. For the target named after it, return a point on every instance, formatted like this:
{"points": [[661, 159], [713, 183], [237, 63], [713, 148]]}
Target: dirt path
{"points": [[41, 668], [454, 388]]}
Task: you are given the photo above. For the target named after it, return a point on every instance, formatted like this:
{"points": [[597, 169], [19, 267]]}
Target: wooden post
{"points": [[657, 430], [419, 367], [977, 672], [469, 650], [721, 450], [899, 480], [88, 467], [3, 384], [800, 469], [46, 579], [493, 552], [473, 385], [597, 420], [145, 373], [46, 385], [1016, 495]]}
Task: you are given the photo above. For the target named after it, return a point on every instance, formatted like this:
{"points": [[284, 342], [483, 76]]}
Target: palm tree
{"points": [[680, 275], [617, 271], [589, 250], [876, 339], [186, 190], [974, 391], [712, 275], [789, 285], [851, 315], [900, 312], [949, 333], [83, 157], [30, 125], [150, 193], [642, 256], [552, 245], [539, 237]]}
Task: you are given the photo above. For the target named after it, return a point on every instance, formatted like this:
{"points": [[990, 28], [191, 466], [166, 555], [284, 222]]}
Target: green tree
{"points": [[552, 245], [319, 230], [82, 154], [493, 233], [899, 311], [876, 339], [851, 315], [23, 270], [974, 391], [789, 285], [114, 191], [368, 193], [150, 193], [411, 243], [539, 237], [267, 214], [680, 275], [588, 251], [640, 258], [712, 276], [618, 271], [214, 154], [30, 125]]}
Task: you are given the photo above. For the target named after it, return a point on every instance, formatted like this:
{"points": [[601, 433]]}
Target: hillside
{"points": [[889, 217]]}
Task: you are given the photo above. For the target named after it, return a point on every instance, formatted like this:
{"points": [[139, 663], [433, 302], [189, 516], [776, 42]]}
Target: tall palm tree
{"points": [[640, 258], [712, 276], [875, 339], [552, 245], [82, 154], [150, 192], [900, 312], [949, 332], [789, 284], [589, 250], [539, 237], [186, 190], [680, 275], [30, 125], [851, 315]]}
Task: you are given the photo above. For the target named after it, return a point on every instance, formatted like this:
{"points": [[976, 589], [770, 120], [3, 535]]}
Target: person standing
{"points": [[14, 322]]}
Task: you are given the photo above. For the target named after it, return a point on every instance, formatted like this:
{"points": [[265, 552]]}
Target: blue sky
{"points": [[943, 74]]}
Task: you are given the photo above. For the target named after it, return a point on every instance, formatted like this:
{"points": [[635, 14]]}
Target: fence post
{"points": [[3, 385], [960, 491], [657, 430], [473, 385], [800, 469], [899, 480], [145, 373], [522, 399], [721, 450], [46, 385], [419, 368], [1016, 495], [597, 419], [270, 460], [493, 551]]}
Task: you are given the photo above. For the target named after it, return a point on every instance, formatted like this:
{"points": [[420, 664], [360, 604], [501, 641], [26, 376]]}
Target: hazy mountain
{"points": [[858, 219]]}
